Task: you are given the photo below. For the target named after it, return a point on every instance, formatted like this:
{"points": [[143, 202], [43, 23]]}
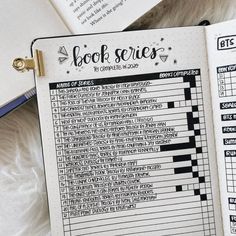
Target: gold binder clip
{"points": [[36, 64]]}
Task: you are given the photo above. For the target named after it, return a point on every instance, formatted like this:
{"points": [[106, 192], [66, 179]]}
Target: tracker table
{"points": [[132, 155]]}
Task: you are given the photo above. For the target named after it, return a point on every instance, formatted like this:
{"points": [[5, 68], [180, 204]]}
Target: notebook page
{"points": [[127, 137], [96, 16], [222, 51]]}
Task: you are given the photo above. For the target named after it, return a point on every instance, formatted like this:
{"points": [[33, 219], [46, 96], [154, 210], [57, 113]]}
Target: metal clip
{"points": [[36, 64]]}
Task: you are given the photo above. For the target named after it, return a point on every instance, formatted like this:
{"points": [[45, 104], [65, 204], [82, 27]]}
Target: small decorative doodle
{"points": [[163, 57], [62, 51]]}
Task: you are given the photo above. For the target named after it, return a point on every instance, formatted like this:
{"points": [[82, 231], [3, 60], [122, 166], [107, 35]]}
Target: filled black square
{"points": [[194, 162], [196, 191], [179, 188], [197, 132], [202, 179], [203, 197], [187, 94], [194, 108], [199, 150], [196, 120], [171, 105], [195, 174]]}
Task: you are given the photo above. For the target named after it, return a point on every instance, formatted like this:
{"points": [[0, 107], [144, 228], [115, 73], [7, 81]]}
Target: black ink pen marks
{"points": [[228, 117], [62, 59], [202, 179], [229, 141], [228, 105], [179, 188], [83, 58], [197, 132], [191, 121], [81, 54], [226, 42], [183, 170], [228, 129], [194, 108], [203, 197], [187, 94], [171, 105], [198, 150], [191, 79], [179, 146], [197, 192], [137, 53], [62, 50], [194, 163], [65, 56], [195, 174], [163, 57], [181, 158]]}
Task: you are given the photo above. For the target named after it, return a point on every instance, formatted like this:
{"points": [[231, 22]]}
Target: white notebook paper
{"points": [[138, 132]]}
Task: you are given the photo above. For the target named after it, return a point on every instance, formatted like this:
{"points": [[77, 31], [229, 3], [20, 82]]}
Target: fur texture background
{"points": [[23, 199]]}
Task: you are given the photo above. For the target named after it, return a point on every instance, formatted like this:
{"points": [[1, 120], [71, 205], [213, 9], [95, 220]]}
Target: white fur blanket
{"points": [[23, 199]]}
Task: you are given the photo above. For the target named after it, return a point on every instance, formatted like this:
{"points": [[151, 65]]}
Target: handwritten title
{"points": [[103, 55]]}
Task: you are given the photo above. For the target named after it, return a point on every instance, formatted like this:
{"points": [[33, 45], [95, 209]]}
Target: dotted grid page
{"points": [[222, 48], [127, 134]]}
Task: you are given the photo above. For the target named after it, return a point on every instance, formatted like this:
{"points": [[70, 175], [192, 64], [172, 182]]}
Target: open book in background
{"points": [[22, 21], [138, 132]]}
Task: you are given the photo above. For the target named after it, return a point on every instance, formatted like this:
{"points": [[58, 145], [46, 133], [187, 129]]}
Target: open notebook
{"points": [[22, 21], [138, 131]]}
